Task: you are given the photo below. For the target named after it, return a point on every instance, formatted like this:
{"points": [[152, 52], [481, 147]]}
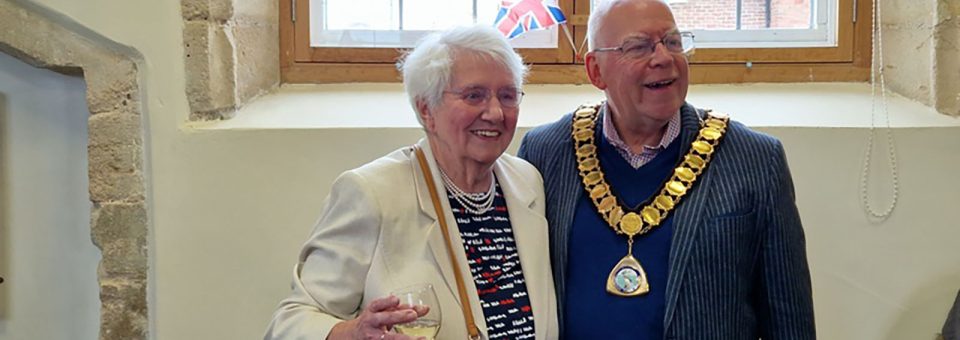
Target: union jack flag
{"points": [[518, 16]]}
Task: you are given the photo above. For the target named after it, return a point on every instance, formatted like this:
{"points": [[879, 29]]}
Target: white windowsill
{"points": [[842, 105]]}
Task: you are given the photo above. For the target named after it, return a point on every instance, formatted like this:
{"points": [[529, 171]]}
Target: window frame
{"points": [[846, 62]]}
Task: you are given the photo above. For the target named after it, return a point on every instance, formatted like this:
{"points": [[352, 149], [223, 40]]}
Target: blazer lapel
{"points": [[562, 206], [688, 216], [436, 241], [529, 228]]}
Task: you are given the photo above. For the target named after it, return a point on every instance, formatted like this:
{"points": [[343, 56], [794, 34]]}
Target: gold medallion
{"points": [[628, 277], [630, 223]]}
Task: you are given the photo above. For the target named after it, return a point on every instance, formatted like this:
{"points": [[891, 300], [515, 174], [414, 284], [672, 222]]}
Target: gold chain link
{"points": [[638, 222]]}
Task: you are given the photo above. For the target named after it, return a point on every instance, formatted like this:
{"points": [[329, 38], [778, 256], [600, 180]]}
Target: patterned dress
{"points": [[495, 266]]}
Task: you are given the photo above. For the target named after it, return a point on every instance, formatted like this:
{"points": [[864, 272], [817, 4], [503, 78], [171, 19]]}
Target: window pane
{"points": [[757, 23], [356, 14], [400, 23], [436, 14], [753, 14]]}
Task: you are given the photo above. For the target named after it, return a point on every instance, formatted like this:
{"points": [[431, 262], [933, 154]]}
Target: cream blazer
{"points": [[378, 232]]}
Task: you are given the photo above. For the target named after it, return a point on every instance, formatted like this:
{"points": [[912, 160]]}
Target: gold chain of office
{"points": [[639, 221]]}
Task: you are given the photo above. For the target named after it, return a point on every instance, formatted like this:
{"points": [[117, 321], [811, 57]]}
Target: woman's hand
{"points": [[375, 321]]}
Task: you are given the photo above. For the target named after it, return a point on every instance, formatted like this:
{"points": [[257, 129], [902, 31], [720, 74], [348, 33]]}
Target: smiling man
{"points": [[667, 221]]}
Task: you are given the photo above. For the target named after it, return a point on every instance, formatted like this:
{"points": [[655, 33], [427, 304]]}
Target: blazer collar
{"points": [[527, 227], [521, 193]]}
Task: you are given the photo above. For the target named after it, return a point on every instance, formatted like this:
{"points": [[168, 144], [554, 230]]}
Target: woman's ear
{"points": [[426, 116]]}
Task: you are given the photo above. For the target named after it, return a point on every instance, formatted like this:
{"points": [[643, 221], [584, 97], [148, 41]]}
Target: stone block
{"points": [[123, 315], [263, 12], [111, 222], [258, 52], [948, 9], [209, 62], [112, 84], [947, 70], [116, 187], [908, 12], [120, 231], [37, 42], [907, 58], [115, 158], [206, 10], [124, 258], [115, 128]]}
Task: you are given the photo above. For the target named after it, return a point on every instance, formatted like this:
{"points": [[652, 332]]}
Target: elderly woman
{"points": [[380, 230]]}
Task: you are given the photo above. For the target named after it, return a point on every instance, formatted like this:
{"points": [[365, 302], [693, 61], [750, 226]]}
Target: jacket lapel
{"points": [[436, 241], [562, 206], [529, 228], [688, 218]]}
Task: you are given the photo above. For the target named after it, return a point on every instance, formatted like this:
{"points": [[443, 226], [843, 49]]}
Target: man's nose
{"points": [[660, 56]]}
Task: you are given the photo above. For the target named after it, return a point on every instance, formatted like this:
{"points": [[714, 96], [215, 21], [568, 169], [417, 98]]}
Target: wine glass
{"points": [[426, 326]]}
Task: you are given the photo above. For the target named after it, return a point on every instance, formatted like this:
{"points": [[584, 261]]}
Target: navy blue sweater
{"points": [[598, 248]]}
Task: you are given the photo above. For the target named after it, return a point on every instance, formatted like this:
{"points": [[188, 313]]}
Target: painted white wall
{"points": [[46, 255], [232, 205]]}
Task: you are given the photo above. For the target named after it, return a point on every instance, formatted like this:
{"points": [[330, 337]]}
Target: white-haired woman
{"points": [[380, 231]]}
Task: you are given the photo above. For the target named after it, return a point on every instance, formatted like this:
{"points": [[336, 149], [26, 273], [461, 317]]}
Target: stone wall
{"points": [[232, 54], [947, 50], [119, 220], [921, 49]]}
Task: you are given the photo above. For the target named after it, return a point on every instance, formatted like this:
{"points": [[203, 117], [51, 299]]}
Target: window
{"points": [[399, 23], [737, 40], [758, 23]]}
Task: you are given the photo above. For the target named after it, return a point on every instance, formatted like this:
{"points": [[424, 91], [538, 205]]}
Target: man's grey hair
{"points": [[427, 68], [597, 14]]}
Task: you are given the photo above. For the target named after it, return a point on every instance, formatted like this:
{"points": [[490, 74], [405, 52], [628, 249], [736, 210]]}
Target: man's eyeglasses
{"points": [[640, 47], [476, 96]]}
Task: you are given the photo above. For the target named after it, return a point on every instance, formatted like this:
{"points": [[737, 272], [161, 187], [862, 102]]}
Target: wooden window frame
{"points": [[849, 61]]}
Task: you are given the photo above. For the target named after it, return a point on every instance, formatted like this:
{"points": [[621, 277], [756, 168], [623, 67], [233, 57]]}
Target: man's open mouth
{"points": [[659, 84]]}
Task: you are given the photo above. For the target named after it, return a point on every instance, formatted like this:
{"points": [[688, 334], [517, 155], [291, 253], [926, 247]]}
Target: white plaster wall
{"points": [[46, 255], [231, 206]]}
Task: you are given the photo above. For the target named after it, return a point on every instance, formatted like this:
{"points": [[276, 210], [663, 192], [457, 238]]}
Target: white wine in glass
{"points": [[428, 325]]}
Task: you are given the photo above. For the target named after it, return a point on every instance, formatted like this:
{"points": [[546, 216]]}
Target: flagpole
{"points": [[582, 43], [566, 32]]}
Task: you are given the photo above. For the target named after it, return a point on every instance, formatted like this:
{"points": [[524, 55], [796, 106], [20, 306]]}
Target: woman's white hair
{"points": [[427, 68]]}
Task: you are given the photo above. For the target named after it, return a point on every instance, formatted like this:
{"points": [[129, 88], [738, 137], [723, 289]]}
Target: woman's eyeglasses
{"points": [[477, 96]]}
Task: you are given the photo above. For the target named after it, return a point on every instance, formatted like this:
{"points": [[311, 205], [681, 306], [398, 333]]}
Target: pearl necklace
{"points": [[475, 203], [876, 73]]}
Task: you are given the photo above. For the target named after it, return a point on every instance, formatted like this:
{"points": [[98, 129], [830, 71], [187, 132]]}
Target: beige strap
{"points": [[464, 301]]}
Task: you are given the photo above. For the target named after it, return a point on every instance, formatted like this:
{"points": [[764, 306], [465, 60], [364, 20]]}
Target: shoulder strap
{"points": [[464, 301]]}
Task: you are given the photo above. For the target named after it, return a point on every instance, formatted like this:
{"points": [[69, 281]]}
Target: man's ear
{"points": [[593, 71], [426, 116]]}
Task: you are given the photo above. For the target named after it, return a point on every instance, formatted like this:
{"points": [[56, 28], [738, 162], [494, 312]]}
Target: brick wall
{"points": [[722, 14]]}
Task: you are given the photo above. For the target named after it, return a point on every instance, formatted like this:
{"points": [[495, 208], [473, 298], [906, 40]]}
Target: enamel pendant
{"points": [[627, 278]]}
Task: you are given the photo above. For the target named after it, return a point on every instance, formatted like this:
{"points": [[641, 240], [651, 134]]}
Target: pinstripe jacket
{"points": [[738, 265]]}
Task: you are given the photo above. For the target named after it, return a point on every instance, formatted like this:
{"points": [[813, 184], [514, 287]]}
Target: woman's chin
{"points": [[488, 157]]}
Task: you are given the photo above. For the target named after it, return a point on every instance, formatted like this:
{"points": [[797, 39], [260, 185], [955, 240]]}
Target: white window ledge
{"points": [[841, 105]]}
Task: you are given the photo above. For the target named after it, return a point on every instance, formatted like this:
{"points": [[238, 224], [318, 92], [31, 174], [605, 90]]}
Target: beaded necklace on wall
{"points": [[876, 73]]}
